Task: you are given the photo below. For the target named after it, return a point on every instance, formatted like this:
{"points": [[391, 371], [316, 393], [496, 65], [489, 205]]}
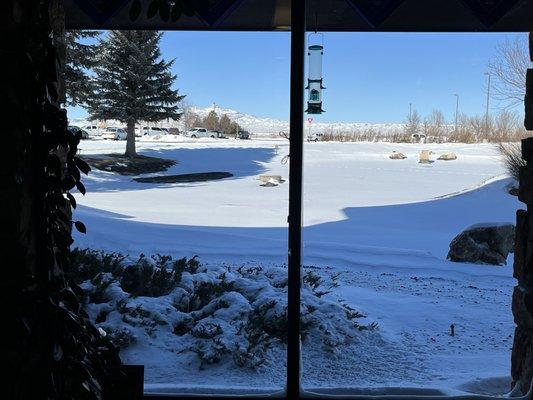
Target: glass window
{"points": [[184, 260], [401, 200]]}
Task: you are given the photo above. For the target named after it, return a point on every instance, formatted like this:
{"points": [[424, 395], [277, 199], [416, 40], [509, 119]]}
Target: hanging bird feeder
{"points": [[314, 80]]}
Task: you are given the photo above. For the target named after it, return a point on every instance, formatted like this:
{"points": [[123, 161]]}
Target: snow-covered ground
{"points": [[383, 226]]}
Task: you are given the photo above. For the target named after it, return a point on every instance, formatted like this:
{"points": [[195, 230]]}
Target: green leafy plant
{"points": [[53, 350]]}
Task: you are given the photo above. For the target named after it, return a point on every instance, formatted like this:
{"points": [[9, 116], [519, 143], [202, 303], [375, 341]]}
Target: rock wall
{"points": [[522, 356]]}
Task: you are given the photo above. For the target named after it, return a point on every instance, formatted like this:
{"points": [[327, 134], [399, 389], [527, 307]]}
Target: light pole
{"points": [[488, 100], [456, 110], [410, 111]]}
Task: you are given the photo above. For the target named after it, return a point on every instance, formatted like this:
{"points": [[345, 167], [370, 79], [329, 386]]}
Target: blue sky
{"points": [[370, 77]]}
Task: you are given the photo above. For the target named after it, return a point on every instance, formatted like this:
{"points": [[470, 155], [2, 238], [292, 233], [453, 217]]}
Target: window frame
{"points": [[293, 388]]}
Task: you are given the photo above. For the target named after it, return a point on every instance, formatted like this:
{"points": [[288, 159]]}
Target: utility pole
{"points": [[410, 111], [488, 100], [456, 110]]}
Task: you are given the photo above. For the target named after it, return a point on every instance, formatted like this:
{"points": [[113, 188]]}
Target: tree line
{"points": [[504, 126], [212, 121]]}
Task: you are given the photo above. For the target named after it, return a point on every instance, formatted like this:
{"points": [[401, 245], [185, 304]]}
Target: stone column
{"points": [[522, 356]]}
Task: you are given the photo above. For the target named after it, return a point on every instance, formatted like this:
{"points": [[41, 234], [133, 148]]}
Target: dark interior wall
{"points": [[522, 355], [20, 215]]}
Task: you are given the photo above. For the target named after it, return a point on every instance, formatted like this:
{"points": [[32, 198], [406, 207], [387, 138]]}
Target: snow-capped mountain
{"points": [[264, 126]]}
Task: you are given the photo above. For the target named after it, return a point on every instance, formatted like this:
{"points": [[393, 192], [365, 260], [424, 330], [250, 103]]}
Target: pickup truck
{"points": [[245, 135], [200, 132]]}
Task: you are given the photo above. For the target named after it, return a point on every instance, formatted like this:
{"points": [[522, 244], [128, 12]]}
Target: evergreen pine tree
{"points": [[133, 83], [79, 58], [211, 121], [225, 124]]}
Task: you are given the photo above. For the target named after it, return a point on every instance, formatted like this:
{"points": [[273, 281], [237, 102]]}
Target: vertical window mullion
{"points": [[295, 196]]}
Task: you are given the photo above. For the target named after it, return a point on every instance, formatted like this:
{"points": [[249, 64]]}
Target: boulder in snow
{"points": [[271, 178], [397, 156], [424, 157], [483, 244], [448, 157]]}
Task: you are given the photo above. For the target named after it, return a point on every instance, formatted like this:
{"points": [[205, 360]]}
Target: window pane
{"points": [[186, 244], [408, 160]]}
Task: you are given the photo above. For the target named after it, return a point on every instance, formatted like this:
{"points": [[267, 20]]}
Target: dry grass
{"points": [[511, 154]]}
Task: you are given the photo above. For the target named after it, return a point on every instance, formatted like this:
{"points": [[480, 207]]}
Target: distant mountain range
{"points": [[264, 126]]}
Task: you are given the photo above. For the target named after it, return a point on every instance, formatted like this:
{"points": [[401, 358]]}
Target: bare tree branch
{"points": [[508, 67]]}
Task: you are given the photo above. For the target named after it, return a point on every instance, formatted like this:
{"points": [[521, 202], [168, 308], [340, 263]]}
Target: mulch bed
{"points": [[185, 178], [123, 165]]}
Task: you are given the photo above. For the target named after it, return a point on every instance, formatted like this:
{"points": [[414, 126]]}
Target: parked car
{"points": [[315, 137], [220, 135], [243, 135], [200, 132], [152, 131], [72, 129], [114, 133], [92, 130]]}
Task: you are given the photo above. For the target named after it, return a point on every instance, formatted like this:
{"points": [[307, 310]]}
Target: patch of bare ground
{"points": [[124, 165], [185, 178]]}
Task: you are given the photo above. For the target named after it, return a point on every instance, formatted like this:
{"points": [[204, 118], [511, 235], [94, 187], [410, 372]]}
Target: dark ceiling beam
{"points": [[488, 12], [281, 20], [214, 16], [373, 14], [330, 15]]}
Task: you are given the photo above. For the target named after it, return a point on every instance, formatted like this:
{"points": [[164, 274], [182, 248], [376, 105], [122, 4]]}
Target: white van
{"points": [[315, 137]]}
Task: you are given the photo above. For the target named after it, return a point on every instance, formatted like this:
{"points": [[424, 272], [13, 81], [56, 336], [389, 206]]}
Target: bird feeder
{"points": [[314, 80]]}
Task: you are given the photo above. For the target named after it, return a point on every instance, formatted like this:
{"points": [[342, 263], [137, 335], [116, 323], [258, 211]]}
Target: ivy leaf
{"points": [[82, 165], [72, 200], [135, 10], [152, 8], [80, 226], [74, 171], [80, 187], [68, 183]]}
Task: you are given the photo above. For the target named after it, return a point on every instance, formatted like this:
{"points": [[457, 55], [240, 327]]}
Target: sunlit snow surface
{"points": [[383, 225]]}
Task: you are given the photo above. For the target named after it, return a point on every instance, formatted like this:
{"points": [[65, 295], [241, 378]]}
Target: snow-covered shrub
{"points": [[100, 283], [121, 337], [146, 279], [86, 264], [215, 313]]}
